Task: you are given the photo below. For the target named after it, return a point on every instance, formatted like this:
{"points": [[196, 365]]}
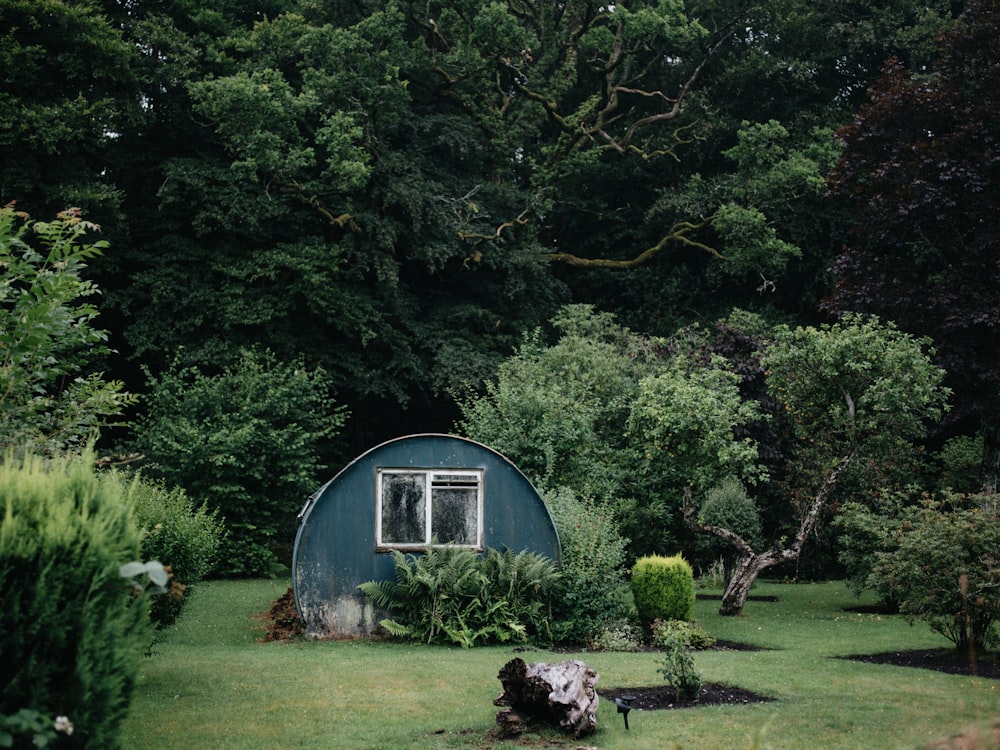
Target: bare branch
{"points": [[678, 233]]}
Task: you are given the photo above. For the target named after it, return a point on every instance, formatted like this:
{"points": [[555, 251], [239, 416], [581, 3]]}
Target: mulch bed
{"points": [[939, 660], [663, 696], [659, 697]]}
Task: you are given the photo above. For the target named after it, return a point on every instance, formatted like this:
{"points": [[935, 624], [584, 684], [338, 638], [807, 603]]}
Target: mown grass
{"points": [[211, 684]]}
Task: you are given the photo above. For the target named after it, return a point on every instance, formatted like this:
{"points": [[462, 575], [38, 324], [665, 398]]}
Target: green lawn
{"points": [[211, 684]]}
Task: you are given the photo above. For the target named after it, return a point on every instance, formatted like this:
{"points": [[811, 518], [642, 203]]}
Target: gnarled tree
{"points": [[854, 388]]}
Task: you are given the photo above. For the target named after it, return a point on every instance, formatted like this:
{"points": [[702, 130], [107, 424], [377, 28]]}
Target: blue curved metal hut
{"points": [[399, 496]]}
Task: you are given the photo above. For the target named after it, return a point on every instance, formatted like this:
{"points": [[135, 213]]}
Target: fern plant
{"points": [[452, 595]]}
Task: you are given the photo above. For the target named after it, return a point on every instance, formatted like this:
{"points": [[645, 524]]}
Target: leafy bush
{"points": [[620, 635], [453, 595], [52, 400], [28, 728], [677, 664], [961, 459], [559, 411], [73, 634], [867, 530], [594, 590], [728, 506], [185, 538], [246, 442], [663, 588], [665, 632], [945, 570]]}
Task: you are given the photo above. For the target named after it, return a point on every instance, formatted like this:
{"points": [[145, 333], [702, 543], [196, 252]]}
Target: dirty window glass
{"points": [[454, 506], [418, 506], [404, 508]]}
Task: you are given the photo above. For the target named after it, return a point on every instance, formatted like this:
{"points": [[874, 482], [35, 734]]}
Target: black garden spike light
{"points": [[624, 704]]}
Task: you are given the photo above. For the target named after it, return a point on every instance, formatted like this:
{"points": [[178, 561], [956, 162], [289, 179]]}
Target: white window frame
{"points": [[432, 481]]}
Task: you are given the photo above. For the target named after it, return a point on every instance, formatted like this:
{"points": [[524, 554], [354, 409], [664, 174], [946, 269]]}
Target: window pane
{"points": [[454, 514], [404, 507]]}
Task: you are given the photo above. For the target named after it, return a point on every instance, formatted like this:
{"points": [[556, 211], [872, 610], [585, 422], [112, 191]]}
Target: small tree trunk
{"points": [[750, 563], [738, 588]]}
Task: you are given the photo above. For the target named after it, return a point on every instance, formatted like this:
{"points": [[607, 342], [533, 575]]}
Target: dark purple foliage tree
{"points": [[921, 170]]}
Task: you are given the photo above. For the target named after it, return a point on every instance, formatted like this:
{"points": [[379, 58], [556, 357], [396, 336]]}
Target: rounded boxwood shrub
{"points": [[663, 588], [73, 634]]}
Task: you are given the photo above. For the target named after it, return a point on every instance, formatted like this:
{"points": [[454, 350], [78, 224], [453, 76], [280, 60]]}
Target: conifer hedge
{"points": [[72, 633]]}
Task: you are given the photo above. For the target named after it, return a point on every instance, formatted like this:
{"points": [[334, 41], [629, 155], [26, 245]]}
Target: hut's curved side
{"points": [[335, 546]]}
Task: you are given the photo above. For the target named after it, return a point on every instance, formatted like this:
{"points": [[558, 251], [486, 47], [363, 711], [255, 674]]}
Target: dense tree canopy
{"points": [[398, 190], [921, 168], [395, 194]]}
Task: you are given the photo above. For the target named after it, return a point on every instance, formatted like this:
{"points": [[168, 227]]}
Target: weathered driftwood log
{"points": [[562, 695]]}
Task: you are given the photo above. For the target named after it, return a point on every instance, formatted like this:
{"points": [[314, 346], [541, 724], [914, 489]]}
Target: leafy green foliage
{"points": [[453, 595], [73, 635], [617, 635], [560, 411], [665, 632], [677, 663], [29, 728], [860, 384], [610, 414], [729, 506], [918, 172], [663, 588], [70, 86], [179, 535], [51, 400], [961, 460], [245, 442], [687, 418], [866, 530], [944, 568], [594, 593]]}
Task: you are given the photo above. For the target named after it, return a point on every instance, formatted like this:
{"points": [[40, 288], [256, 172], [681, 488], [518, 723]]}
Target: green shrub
{"points": [[961, 459], [179, 535], [453, 595], [945, 570], [594, 590], [663, 588], [29, 728], [664, 632], [728, 506], [677, 665], [867, 530], [246, 442], [620, 635], [73, 635], [53, 398]]}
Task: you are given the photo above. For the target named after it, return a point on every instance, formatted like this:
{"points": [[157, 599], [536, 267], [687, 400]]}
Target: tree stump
{"points": [[562, 695]]}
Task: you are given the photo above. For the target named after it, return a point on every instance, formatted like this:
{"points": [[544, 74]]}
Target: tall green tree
{"points": [[320, 211], [68, 90], [920, 170]]}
